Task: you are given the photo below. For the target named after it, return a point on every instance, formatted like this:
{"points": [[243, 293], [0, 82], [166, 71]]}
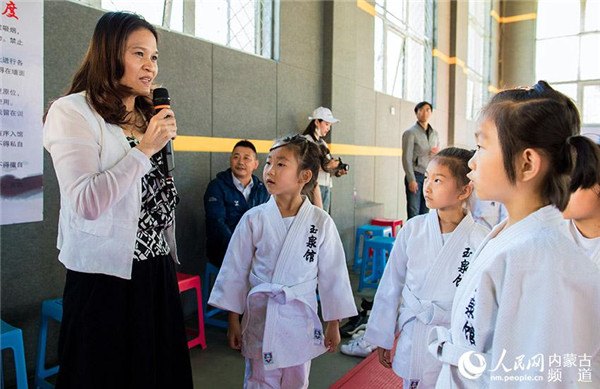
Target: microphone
{"points": [[160, 100]]}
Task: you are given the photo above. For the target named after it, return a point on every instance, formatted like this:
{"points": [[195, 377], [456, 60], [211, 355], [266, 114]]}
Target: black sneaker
{"points": [[349, 324], [366, 306], [354, 324]]}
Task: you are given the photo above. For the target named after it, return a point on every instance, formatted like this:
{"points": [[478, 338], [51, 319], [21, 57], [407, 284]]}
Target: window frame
{"points": [[479, 76], [267, 11], [398, 25], [580, 82]]}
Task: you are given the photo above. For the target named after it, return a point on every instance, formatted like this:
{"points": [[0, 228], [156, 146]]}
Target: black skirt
{"points": [[118, 333]]}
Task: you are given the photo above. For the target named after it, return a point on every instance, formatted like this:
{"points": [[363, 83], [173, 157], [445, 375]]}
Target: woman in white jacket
{"points": [[122, 321]]}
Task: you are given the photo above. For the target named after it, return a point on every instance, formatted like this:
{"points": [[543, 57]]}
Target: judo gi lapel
{"points": [[453, 256], [292, 244], [456, 247], [435, 233], [274, 217]]}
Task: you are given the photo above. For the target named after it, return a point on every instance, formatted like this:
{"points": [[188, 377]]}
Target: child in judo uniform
{"points": [[583, 213], [279, 253], [430, 257], [526, 314]]}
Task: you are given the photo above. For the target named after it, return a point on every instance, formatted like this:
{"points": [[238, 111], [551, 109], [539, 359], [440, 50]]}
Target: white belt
{"points": [[441, 347], [426, 311], [281, 294]]}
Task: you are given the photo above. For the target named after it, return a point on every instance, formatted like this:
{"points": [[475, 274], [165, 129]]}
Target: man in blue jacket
{"points": [[229, 196]]}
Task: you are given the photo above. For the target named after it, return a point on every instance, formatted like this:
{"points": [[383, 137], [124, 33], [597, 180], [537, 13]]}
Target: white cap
{"points": [[323, 113]]}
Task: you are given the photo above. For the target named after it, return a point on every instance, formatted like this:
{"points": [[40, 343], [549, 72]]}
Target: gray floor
{"points": [[218, 366]]}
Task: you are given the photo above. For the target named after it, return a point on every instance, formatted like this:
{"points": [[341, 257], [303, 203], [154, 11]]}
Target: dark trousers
{"points": [[119, 333], [415, 202]]}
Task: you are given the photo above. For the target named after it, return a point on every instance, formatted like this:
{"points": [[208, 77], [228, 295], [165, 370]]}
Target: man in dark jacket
{"points": [[229, 196]]}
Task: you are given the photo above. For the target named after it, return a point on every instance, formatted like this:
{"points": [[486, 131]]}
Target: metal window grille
{"points": [[251, 26], [403, 48]]}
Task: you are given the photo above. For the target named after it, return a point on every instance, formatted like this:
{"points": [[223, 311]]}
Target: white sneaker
{"points": [[358, 348]]}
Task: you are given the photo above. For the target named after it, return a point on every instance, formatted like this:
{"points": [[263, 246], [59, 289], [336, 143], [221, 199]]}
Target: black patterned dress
{"points": [[159, 199]]}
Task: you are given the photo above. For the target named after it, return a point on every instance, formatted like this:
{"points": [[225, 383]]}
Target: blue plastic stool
{"points": [[382, 247], [210, 275], [367, 231], [12, 338], [51, 309]]}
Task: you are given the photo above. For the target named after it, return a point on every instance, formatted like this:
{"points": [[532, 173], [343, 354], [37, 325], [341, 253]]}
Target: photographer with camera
{"points": [[319, 126]]}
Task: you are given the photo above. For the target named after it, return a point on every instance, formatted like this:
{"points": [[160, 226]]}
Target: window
{"points": [[246, 25], [567, 55], [403, 48], [478, 56]]}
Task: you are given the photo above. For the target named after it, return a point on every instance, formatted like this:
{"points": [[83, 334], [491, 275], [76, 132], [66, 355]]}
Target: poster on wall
{"points": [[21, 110]]}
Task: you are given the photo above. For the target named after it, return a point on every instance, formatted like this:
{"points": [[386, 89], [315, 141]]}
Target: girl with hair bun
{"points": [[279, 253], [430, 258]]}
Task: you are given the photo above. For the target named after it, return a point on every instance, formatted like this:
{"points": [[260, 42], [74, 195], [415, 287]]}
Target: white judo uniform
{"points": [[424, 272], [589, 246], [526, 314], [271, 275]]}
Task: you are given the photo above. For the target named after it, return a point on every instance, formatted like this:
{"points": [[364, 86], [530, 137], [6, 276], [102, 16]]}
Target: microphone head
{"points": [[160, 96]]}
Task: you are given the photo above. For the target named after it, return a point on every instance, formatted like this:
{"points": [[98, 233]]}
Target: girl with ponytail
{"points": [[429, 260], [583, 210], [530, 292]]}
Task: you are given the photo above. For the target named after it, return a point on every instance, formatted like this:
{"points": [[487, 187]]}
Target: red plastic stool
{"points": [[187, 282], [381, 221]]}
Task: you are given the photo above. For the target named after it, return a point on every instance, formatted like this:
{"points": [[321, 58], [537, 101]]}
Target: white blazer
{"points": [[99, 176]]}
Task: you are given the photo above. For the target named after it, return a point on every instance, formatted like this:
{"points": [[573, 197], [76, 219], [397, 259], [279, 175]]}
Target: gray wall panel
{"points": [[301, 34], [298, 94], [344, 108], [364, 176], [365, 129], [365, 41], [185, 69], [365, 116], [192, 174], [244, 95], [386, 184], [345, 40], [387, 134]]}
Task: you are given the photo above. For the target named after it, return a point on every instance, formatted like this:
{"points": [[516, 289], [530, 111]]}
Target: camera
{"points": [[341, 167]]}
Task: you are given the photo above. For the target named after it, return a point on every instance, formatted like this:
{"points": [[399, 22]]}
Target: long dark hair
{"points": [[102, 67], [311, 129], [544, 119]]}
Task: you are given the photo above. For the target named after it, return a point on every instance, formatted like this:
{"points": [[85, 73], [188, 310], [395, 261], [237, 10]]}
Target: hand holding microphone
{"points": [[162, 129]]}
